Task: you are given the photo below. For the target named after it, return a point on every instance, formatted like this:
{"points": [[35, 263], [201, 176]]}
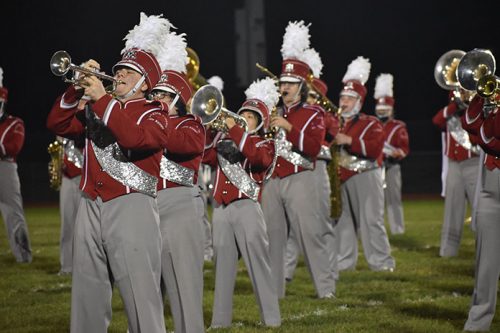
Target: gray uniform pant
{"points": [[69, 200], [240, 226], [117, 242], [487, 254], [460, 185], [292, 247], [393, 200], [363, 214], [181, 225], [11, 206], [295, 200]]}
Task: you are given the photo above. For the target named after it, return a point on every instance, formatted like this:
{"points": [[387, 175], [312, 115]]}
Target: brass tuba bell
{"points": [[208, 104], [474, 65], [445, 72], [193, 70]]}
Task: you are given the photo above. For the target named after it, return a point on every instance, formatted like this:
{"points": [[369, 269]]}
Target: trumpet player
{"points": [[461, 154], [243, 161], [11, 201], [396, 148], [290, 199], [481, 119], [117, 237], [180, 203], [360, 162]]}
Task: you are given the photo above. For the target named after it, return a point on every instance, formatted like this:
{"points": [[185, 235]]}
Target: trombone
{"points": [[60, 65], [208, 103]]}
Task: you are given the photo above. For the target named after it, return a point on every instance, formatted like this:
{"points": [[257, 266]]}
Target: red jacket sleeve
{"points": [[188, 138], [440, 118], [332, 126], [14, 140], [255, 149], [473, 117], [371, 143], [149, 134], [64, 119], [402, 141], [308, 140]]}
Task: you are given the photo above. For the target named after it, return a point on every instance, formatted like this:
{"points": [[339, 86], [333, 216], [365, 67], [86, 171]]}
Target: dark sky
{"points": [[404, 38]]}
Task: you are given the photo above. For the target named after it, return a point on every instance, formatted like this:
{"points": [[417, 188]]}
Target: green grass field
{"points": [[425, 293]]}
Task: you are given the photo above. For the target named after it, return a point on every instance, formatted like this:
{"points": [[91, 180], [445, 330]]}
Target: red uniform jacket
{"points": [[70, 170], [259, 155], [11, 137], [396, 135], [474, 122], [185, 145], [367, 135], [453, 149], [138, 126], [306, 136], [332, 127]]}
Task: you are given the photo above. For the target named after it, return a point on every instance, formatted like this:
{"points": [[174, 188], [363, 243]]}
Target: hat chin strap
{"points": [[174, 101], [134, 89], [355, 110], [2, 109]]}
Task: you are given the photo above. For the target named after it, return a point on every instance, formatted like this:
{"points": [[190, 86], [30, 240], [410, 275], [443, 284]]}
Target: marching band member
{"points": [[290, 197], [11, 201], [117, 236], [462, 171], [317, 91], [243, 160], [179, 199], [70, 196], [362, 188], [396, 148], [481, 120]]}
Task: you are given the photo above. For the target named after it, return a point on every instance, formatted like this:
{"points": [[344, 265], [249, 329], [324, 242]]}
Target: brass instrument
{"points": [[60, 65], [208, 103], [267, 72], [56, 151], [488, 87], [445, 70], [271, 132], [193, 70], [333, 169]]}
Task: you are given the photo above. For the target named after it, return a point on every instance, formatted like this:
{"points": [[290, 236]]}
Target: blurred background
{"points": [[399, 37]]}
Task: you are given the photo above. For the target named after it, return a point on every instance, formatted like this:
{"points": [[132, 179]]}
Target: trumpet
{"points": [[60, 65], [488, 86], [208, 103], [475, 72]]}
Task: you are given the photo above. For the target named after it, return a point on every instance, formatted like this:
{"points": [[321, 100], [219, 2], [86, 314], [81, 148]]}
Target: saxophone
{"points": [[333, 170], [56, 152]]}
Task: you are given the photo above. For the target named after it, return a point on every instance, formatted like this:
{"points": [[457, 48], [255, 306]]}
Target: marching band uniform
{"points": [[117, 235], [69, 200], [179, 199], [362, 182], [461, 178], [11, 202], [396, 148], [243, 160], [485, 128]]}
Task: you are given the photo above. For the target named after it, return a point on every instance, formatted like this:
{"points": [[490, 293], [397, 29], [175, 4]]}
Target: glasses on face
{"points": [[313, 94], [158, 95]]}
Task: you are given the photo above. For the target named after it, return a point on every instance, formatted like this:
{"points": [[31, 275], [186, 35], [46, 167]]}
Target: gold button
{"points": [[227, 182], [224, 192], [456, 152], [99, 184], [278, 165]]}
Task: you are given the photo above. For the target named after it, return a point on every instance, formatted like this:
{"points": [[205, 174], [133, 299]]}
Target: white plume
{"points": [[173, 55], [264, 90], [147, 35], [1, 77], [217, 82], [358, 69], [383, 86], [312, 58], [295, 40]]}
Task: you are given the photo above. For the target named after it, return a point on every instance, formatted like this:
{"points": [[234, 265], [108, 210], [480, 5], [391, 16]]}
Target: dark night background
{"points": [[399, 37]]}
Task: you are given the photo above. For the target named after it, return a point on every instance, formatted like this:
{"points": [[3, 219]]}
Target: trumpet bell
{"points": [[487, 86], [207, 103], [445, 69], [60, 63], [474, 65]]}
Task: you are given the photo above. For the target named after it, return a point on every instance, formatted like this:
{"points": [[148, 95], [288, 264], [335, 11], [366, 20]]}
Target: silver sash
{"points": [[461, 136], [325, 153], [115, 164], [355, 163], [239, 178], [73, 154], [284, 149], [176, 173]]}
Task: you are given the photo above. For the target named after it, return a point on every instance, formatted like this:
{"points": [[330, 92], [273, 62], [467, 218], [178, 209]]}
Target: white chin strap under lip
{"points": [[174, 101], [135, 88], [355, 110]]}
